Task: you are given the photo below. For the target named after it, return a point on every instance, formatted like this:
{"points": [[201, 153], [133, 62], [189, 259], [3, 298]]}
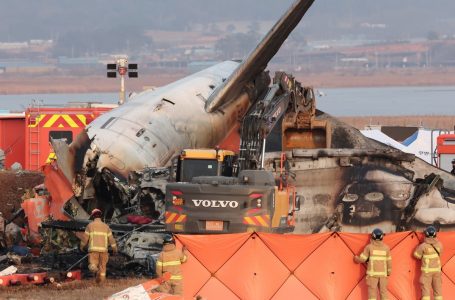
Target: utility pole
{"points": [[123, 68]]}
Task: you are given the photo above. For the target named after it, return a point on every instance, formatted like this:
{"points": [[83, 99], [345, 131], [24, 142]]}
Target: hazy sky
{"points": [[26, 19]]}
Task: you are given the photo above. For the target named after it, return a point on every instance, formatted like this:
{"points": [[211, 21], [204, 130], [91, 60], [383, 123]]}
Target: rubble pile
{"points": [[13, 185]]}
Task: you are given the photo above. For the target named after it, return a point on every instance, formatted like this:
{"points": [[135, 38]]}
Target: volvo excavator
{"points": [[252, 199]]}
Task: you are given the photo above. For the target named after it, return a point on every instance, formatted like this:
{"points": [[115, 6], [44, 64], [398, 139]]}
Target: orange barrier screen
{"points": [[316, 266]]}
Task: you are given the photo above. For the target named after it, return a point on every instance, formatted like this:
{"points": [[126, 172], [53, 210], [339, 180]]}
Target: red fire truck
{"points": [[25, 137], [445, 151]]}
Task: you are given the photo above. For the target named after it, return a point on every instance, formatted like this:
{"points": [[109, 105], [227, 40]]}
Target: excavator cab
{"points": [[205, 162]]}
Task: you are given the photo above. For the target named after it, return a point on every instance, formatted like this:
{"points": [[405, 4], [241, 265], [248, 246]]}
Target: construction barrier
{"points": [[314, 266]]}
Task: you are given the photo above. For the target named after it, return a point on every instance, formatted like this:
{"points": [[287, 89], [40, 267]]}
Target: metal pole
{"points": [[263, 154], [122, 90]]}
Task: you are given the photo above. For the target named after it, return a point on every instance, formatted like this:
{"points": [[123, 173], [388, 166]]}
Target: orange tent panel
{"points": [[449, 268], [215, 289], [195, 276], [293, 249], [448, 287], [447, 240], [355, 241], [403, 283], [291, 288], [254, 272], [203, 247], [330, 272], [394, 239], [259, 269]]}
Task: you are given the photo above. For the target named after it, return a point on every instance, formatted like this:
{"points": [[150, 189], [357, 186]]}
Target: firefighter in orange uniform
{"points": [[430, 252], [377, 255], [98, 236], [170, 260]]}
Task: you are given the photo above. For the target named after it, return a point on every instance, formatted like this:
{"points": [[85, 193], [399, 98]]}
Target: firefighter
{"points": [[430, 252], [170, 260], [377, 255], [98, 236]]}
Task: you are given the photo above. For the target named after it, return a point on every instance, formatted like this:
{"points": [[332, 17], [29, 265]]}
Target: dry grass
{"points": [[77, 290], [23, 84], [429, 121]]}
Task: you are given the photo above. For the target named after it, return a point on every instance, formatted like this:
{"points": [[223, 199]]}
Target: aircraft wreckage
{"points": [[346, 182]]}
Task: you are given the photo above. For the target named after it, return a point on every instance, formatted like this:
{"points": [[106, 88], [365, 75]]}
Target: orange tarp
{"points": [[315, 266]]}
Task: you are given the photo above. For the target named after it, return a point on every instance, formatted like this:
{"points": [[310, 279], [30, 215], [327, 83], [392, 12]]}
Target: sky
{"points": [[327, 19]]}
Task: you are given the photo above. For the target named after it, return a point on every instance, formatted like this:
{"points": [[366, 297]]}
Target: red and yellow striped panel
{"points": [[261, 220], [174, 218], [60, 121]]}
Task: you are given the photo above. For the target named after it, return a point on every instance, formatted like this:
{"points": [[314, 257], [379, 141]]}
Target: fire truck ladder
{"points": [[34, 136]]}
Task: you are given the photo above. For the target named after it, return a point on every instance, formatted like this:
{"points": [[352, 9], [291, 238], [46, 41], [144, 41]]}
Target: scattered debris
{"points": [[8, 271]]}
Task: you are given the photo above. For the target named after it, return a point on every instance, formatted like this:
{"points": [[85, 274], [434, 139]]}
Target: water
{"points": [[385, 101], [388, 101]]}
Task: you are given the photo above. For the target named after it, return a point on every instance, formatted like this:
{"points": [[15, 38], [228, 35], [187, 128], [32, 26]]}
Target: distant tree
{"points": [[214, 28], [432, 35], [237, 45], [254, 26], [231, 28]]}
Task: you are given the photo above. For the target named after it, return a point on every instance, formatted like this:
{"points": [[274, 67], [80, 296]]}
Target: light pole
{"points": [[122, 68]]}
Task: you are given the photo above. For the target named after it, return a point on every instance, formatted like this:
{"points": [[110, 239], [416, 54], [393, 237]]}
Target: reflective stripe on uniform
{"points": [[378, 255], [438, 298], [98, 248], [176, 277], [431, 270], [363, 256], [417, 254], [372, 273], [430, 258], [426, 298], [168, 263]]}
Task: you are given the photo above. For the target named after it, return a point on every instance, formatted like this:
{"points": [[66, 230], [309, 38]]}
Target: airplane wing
{"points": [[257, 60]]}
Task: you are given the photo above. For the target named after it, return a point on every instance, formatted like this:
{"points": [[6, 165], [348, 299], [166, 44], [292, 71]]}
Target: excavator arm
{"points": [[285, 97]]}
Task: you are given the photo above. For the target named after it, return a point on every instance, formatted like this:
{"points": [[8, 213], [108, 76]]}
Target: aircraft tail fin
{"points": [[257, 60]]}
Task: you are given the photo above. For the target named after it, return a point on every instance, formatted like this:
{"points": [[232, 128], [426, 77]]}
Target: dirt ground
{"points": [[13, 186], [77, 290], [16, 84]]}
